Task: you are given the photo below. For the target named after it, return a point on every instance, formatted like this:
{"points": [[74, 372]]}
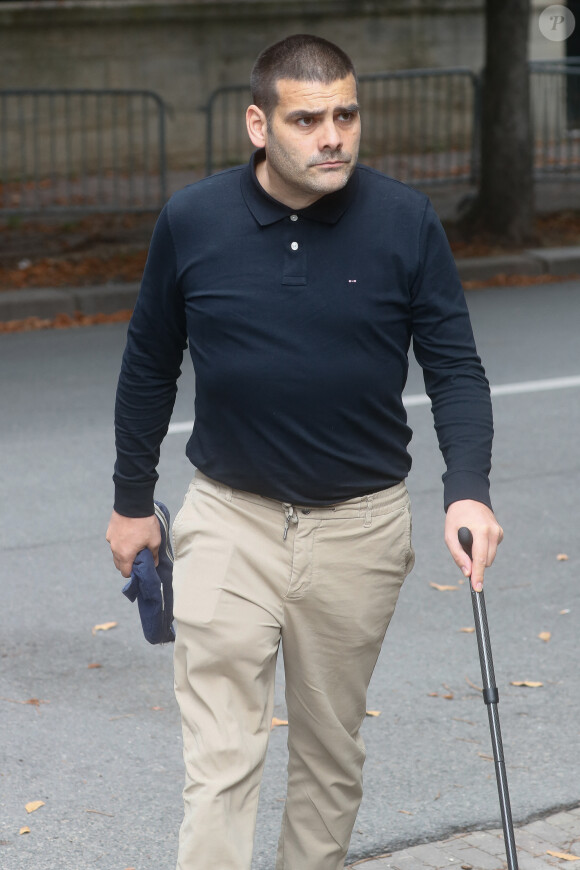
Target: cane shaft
{"points": [[491, 699]]}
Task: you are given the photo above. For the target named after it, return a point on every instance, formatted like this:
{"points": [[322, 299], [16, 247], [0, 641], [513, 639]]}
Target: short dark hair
{"points": [[301, 57]]}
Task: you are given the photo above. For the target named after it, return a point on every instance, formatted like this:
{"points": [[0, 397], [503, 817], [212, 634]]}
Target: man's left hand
{"points": [[487, 534]]}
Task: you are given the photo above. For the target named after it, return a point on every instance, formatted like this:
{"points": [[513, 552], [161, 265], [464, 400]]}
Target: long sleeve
{"points": [[147, 383], [454, 377]]}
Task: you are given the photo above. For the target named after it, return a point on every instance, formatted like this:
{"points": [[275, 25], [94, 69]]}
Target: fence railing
{"points": [[104, 150], [555, 102], [422, 126], [80, 149]]}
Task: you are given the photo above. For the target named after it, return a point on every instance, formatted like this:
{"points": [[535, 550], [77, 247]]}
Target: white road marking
{"points": [[422, 399], [509, 389], [536, 386], [176, 428]]}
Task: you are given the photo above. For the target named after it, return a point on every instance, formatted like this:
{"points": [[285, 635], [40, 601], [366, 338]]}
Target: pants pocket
{"points": [[201, 559]]}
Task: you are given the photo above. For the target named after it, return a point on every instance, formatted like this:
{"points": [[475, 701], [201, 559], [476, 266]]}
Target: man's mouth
{"points": [[330, 163]]}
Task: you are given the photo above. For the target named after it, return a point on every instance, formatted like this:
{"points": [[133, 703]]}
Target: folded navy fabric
{"points": [[152, 586]]}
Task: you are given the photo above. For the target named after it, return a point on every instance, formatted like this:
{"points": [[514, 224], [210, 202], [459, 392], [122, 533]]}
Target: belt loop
{"points": [[290, 517], [368, 511]]}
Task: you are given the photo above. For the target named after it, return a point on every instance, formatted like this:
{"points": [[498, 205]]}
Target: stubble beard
{"points": [[301, 176]]}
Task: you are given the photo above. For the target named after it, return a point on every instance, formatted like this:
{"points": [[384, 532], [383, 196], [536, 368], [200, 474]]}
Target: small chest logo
{"points": [[352, 280]]}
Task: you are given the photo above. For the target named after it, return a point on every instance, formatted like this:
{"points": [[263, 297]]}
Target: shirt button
{"points": [[293, 217], [306, 511], [294, 246]]}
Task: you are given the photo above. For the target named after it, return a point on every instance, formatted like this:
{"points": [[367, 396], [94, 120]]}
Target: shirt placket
{"points": [[294, 261]]}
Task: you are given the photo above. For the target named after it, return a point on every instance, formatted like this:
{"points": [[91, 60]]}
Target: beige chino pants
{"points": [[251, 572]]}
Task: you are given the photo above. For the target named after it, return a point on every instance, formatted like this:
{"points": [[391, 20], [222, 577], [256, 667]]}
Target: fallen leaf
{"points": [[468, 630], [441, 588], [32, 806], [158, 708], [433, 694], [473, 686], [277, 722], [99, 813], [448, 697], [530, 684], [486, 757], [565, 856], [562, 557], [565, 611], [24, 830], [406, 812], [545, 636], [104, 626], [373, 713], [34, 702], [467, 867], [93, 666]]}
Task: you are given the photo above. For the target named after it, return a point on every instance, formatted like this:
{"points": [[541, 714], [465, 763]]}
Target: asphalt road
{"points": [[101, 746]]}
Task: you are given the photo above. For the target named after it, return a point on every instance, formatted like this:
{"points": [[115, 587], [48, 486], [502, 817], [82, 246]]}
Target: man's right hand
{"points": [[128, 536]]}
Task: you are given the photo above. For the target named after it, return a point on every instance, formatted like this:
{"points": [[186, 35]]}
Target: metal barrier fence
{"points": [[422, 126], [104, 150], [418, 125], [555, 102], [81, 150]]}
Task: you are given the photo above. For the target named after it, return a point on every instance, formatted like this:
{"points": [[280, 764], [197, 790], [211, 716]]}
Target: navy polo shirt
{"points": [[298, 325]]}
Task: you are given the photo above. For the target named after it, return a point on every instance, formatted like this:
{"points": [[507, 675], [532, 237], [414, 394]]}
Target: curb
{"points": [[49, 302], [535, 261], [541, 845], [110, 298]]}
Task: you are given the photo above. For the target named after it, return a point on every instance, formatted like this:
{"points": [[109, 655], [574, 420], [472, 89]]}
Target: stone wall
{"points": [[184, 49]]}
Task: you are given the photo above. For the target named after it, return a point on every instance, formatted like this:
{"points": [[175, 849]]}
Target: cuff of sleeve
{"points": [[460, 485], [134, 501]]}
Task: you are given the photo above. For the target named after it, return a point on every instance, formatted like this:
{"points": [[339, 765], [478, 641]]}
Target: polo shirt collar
{"points": [[267, 210]]}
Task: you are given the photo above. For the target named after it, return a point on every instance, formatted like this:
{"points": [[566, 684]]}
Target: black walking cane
{"points": [[491, 699]]}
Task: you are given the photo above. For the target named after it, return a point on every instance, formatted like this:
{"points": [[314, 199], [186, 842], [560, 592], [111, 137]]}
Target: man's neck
{"points": [[293, 199]]}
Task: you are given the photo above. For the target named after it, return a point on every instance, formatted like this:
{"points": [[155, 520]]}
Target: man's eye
{"points": [[346, 117], [305, 122]]}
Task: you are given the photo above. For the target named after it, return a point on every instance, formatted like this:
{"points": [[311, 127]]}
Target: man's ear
{"points": [[256, 123]]}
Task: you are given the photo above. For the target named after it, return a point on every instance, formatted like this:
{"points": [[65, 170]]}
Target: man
{"points": [[299, 282]]}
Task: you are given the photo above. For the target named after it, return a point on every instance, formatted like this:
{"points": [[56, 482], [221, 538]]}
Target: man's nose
{"points": [[330, 136]]}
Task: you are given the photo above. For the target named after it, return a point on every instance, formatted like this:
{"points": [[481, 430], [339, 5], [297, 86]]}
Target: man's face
{"points": [[311, 139]]}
